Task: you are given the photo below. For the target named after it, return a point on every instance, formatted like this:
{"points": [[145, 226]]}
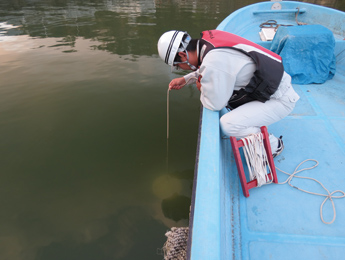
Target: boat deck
{"points": [[278, 221]]}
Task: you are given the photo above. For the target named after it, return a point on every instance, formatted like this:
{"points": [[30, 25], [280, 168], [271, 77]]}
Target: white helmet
{"points": [[170, 43]]}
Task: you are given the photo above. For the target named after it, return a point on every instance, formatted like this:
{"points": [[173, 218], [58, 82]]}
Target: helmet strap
{"points": [[187, 62], [190, 65]]}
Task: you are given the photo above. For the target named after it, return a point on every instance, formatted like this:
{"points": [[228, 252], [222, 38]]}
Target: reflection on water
{"points": [[118, 25], [84, 172], [83, 148]]}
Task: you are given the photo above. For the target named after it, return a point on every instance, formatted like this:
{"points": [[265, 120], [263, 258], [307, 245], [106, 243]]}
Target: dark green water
{"points": [[83, 151]]}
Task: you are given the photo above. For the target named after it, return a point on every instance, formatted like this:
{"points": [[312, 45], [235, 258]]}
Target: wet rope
{"points": [[168, 126], [168, 120], [296, 15], [274, 24]]}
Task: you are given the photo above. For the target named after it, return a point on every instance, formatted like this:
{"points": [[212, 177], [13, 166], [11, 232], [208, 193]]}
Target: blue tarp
{"points": [[307, 52]]}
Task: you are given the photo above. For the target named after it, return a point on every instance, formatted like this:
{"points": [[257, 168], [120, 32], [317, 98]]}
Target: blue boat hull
{"points": [[276, 221]]}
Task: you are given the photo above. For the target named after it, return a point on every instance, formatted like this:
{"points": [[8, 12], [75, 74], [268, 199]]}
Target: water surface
{"points": [[85, 172]]}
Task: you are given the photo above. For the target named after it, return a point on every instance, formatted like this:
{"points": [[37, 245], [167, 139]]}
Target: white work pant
{"points": [[248, 118]]}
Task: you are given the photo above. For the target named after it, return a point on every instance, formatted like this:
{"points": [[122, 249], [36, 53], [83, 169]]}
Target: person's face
{"points": [[182, 65]]}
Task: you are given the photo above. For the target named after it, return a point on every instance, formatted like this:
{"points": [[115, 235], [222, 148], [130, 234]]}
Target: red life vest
{"points": [[269, 67]]}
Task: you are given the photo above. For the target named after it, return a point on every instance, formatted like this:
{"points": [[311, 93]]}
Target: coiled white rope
{"points": [[258, 166], [256, 158], [329, 195]]}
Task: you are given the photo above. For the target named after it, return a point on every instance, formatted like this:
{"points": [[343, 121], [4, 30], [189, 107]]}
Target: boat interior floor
{"points": [[274, 215]]}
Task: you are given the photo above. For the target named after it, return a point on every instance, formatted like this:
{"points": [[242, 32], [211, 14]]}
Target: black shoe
{"points": [[280, 147]]}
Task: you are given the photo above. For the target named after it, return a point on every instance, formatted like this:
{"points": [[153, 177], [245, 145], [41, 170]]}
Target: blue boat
{"points": [[277, 221]]}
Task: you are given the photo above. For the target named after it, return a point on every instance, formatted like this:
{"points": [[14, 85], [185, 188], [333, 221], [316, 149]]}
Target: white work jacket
{"points": [[226, 70]]}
